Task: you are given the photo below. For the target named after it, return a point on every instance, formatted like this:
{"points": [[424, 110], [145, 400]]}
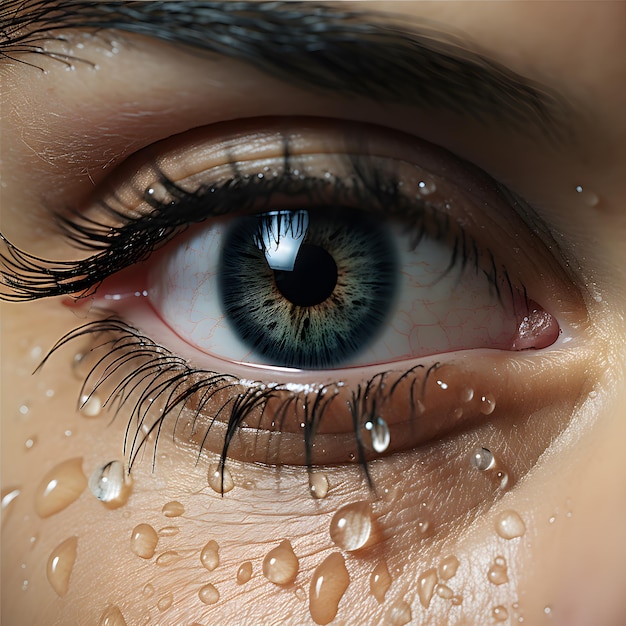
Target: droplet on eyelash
{"points": [[399, 613], [509, 525], [61, 486], [244, 573], [351, 526], [90, 405], [112, 616], [210, 555], [60, 565], [497, 573], [281, 565], [318, 485], [165, 602], [380, 581], [173, 509], [143, 541], [379, 432], [329, 582], [220, 480], [209, 594], [448, 567], [426, 586], [111, 485], [590, 198]]}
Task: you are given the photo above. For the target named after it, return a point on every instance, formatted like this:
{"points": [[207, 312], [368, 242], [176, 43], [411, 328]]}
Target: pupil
{"points": [[313, 278]]}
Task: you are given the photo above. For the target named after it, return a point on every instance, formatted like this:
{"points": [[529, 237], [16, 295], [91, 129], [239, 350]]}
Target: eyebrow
{"points": [[315, 45]]}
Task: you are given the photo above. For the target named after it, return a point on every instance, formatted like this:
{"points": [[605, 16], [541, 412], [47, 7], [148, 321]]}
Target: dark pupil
{"points": [[313, 278]]}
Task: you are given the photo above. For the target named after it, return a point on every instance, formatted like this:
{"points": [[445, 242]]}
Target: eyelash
{"points": [[165, 376]]}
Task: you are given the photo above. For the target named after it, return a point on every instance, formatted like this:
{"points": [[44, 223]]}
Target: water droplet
{"points": [[60, 565], [9, 497], [552, 519], [456, 600], [443, 591], [112, 616], [448, 567], [509, 525], [111, 485], [173, 509], [399, 614], [30, 443], [318, 485], [168, 558], [148, 590], [90, 405], [300, 594], [422, 526], [210, 555], [328, 584], [497, 573], [487, 404], [379, 432], [380, 581], [143, 541], [351, 526], [500, 613], [426, 187], [467, 394], [24, 409], [220, 481], [281, 565], [168, 531], [61, 486], [165, 602], [482, 459], [209, 594], [547, 610], [426, 586], [244, 573], [590, 198]]}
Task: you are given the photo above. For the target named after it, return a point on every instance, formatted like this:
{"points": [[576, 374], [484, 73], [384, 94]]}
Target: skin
{"points": [[65, 131]]}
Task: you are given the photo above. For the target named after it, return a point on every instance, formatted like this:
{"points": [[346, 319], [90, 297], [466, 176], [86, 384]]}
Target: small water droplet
{"points": [[552, 519], [390, 494], [487, 404], [168, 531], [210, 555], [318, 485], [399, 613], [165, 602], [379, 433], [329, 582], [351, 526], [209, 594], [61, 486], [448, 567], [221, 481], [112, 616], [173, 509], [143, 541], [547, 610], [148, 590], [9, 497], [500, 613], [509, 525], [60, 565], [111, 485], [30, 443], [90, 405], [497, 573], [24, 409], [456, 600], [281, 565], [300, 594], [244, 573], [590, 198], [25, 584], [426, 187], [426, 586], [467, 394], [482, 459], [422, 526], [168, 558], [380, 581]]}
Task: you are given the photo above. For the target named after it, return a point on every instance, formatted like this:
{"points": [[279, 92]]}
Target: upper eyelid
{"points": [[379, 61]]}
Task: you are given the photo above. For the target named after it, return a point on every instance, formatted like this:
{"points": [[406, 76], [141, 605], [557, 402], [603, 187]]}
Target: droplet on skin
{"points": [[500, 613], [168, 531], [60, 565], [448, 567], [300, 594], [30, 443], [482, 459], [61, 486], [143, 541], [165, 602], [111, 485], [426, 586], [148, 590], [379, 433], [487, 404], [90, 406], [173, 509], [221, 481], [380, 581], [318, 485], [590, 198], [281, 565], [329, 582], [112, 616], [168, 558], [467, 394], [210, 555], [244, 573], [9, 497], [351, 526], [209, 594], [509, 525], [497, 573], [443, 591], [399, 614]]}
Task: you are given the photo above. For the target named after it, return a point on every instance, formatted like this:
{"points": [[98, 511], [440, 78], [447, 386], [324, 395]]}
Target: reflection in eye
{"points": [[397, 236]]}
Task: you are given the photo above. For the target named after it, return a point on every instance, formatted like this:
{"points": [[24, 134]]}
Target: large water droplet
{"points": [[209, 594], [210, 556], [220, 480], [318, 485], [482, 459], [328, 585], [281, 565], [173, 509], [60, 565], [426, 586], [509, 525], [380, 581], [379, 432], [110, 484], [399, 614], [90, 406], [351, 526], [448, 567], [61, 486], [143, 541]]}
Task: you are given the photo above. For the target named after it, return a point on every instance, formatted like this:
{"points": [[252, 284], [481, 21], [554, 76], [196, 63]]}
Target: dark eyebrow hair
{"points": [[316, 45]]}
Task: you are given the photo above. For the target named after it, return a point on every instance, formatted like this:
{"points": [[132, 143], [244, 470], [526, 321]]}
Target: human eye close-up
{"points": [[313, 312]]}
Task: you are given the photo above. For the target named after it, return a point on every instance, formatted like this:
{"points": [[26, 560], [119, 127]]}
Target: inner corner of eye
{"points": [[537, 329]]}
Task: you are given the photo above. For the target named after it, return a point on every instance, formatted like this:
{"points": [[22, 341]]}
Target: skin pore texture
{"points": [[514, 515]]}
